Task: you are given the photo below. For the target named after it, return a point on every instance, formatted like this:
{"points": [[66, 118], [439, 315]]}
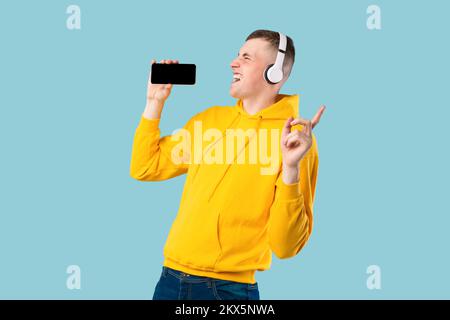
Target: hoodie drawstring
{"points": [[223, 133], [258, 124]]}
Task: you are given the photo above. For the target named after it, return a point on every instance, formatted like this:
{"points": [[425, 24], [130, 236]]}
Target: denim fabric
{"points": [[177, 285]]}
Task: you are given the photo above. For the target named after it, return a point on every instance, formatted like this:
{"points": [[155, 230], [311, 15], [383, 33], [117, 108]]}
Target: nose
{"points": [[234, 63]]}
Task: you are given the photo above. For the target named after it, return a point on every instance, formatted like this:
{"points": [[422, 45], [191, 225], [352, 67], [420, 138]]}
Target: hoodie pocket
{"points": [[193, 238]]}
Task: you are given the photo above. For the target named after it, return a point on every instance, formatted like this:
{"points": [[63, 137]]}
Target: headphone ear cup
{"points": [[266, 76]]}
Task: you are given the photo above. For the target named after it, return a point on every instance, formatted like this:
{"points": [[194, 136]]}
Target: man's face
{"points": [[254, 56]]}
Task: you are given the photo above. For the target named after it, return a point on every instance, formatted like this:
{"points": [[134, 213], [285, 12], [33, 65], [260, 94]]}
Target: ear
{"points": [[280, 84]]}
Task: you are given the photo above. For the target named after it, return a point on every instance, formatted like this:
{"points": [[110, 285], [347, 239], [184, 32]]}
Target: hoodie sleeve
{"points": [[291, 213], [154, 158]]}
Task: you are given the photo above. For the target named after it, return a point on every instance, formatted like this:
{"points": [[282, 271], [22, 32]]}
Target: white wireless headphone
{"points": [[274, 72]]}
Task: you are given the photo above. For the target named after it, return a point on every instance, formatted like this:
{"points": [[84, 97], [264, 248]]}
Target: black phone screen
{"points": [[175, 73]]}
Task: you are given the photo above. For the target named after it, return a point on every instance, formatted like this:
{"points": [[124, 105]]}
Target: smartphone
{"points": [[175, 73]]}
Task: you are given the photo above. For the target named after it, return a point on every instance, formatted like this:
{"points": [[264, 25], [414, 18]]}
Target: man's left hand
{"points": [[295, 144]]}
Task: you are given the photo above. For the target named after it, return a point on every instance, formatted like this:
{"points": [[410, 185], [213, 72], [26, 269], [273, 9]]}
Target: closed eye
{"points": [[245, 55]]}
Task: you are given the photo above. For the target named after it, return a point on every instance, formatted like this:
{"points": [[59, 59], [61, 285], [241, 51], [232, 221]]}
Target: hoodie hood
{"points": [[284, 107]]}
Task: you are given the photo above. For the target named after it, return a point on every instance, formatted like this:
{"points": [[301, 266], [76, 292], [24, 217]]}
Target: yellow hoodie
{"points": [[232, 214]]}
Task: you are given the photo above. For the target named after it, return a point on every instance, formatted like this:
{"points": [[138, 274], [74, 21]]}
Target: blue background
{"points": [[71, 99]]}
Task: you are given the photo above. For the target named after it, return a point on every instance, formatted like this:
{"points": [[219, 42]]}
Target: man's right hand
{"points": [[158, 93]]}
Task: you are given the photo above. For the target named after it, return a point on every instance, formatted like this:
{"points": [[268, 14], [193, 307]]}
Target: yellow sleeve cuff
{"points": [[148, 124], [288, 191]]}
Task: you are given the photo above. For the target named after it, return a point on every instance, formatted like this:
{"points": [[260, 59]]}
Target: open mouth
{"points": [[236, 78]]}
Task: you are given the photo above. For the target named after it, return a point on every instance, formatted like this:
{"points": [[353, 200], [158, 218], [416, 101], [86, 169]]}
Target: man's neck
{"points": [[255, 104]]}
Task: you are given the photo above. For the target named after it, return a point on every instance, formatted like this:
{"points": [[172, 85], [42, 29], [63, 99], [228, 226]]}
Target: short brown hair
{"points": [[274, 40]]}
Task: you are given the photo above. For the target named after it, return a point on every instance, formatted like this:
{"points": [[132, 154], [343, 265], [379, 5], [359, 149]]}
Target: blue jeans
{"points": [[177, 285]]}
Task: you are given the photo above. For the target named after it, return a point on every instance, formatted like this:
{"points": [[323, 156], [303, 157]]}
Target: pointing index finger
{"points": [[316, 118]]}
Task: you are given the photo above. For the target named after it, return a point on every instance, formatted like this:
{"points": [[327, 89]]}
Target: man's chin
{"points": [[234, 94]]}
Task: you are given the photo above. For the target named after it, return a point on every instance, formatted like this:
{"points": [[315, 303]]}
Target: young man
{"points": [[241, 200]]}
